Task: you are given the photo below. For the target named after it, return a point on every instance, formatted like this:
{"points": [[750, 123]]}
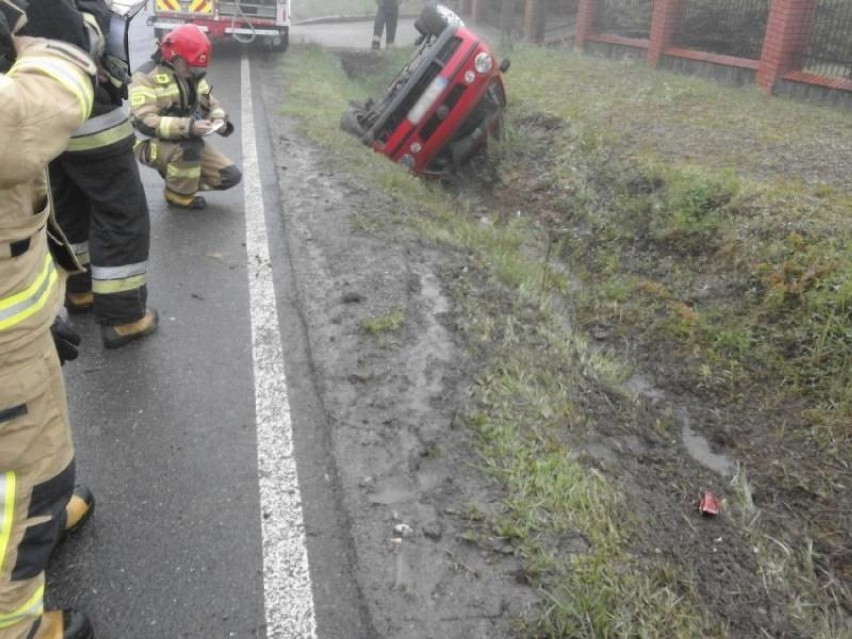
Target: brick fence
{"points": [[778, 69]]}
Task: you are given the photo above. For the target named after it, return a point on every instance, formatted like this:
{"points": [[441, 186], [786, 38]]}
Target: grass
{"points": [[665, 199], [383, 324]]}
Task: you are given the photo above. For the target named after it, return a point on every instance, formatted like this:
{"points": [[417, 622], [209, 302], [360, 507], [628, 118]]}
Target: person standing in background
{"points": [[387, 16]]}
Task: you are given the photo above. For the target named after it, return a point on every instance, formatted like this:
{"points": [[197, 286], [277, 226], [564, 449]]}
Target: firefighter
{"points": [[387, 15], [46, 92], [171, 101], [98, 193]]}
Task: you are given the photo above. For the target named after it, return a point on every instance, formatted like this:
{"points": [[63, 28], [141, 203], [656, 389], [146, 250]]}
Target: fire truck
{"points": [[265, 22]]}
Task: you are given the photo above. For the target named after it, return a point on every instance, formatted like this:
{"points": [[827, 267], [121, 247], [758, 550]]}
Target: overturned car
{"points": [[442, 106]]}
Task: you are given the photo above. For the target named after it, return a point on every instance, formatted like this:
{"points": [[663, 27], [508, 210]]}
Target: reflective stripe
{"points": [[75, 83], [102, 139], [105, 287], [167, 92], [119, 272], [7, 494], [169, 126], [18, 307], [191, 173], [81, 252], [102, 122], [30, 610], [141, 95]]}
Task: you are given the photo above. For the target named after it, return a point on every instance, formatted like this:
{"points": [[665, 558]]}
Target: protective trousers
{"points": [[189, 166], [387, 14], [100, 204], [36, 480]]}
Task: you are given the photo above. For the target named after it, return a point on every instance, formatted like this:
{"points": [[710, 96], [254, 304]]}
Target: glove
{"points": [[66, 339], [226, 130]]}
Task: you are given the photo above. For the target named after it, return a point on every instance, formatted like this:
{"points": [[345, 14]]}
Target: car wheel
{"points": [[351, 121], [434, 19]]}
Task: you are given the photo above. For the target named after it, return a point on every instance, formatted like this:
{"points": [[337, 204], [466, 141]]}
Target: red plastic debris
{"points": [[709, 504]]}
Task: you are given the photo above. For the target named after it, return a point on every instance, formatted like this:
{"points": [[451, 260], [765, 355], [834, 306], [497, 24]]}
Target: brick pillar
{"points": [[477, 8], [787, 31], [534, 16], [665, 23], [587, 11]]}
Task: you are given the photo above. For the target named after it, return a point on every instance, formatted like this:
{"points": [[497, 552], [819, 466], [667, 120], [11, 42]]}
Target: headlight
{"points": [[483, 62]]}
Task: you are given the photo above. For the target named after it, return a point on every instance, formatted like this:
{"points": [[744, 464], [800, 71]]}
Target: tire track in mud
{"points": [[404, 468]]}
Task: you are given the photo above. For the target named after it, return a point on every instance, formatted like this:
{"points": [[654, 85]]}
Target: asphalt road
{"points": [[187, 538]]}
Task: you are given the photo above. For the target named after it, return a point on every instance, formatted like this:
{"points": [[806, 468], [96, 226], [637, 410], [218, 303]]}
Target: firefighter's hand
{"points": [[66, 339], [201, 127]]}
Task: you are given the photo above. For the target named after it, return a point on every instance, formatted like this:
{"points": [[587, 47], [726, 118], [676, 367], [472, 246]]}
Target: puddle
{"points": [[699, 449]]}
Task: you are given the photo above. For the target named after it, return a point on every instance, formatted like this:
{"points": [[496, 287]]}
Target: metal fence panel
{"points": [[629, 18], [829, 49], [725, 27]]}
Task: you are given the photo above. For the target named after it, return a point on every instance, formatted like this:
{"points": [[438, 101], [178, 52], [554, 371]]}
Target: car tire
{"points": [[350, 121], [433, 20]]}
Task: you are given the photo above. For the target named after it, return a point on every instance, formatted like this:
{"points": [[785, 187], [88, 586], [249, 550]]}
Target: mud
{"points": [[404, 465]]}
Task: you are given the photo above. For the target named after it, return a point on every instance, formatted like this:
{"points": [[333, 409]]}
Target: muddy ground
{"points": [[407, 470], [404, 462]]}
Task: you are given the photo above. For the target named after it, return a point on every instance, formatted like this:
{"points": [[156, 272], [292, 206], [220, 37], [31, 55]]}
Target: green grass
{"points": [[664, 199], [382, 324]]}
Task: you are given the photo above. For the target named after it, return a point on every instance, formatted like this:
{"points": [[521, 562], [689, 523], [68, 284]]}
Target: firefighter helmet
{"points": [[187, 42]]}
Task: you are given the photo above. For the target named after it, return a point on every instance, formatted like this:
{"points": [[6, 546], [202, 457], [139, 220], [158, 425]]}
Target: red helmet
{"points": [[189, 43]]}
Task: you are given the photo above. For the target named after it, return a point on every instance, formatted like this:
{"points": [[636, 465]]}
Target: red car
{"points": [[442, 106]]}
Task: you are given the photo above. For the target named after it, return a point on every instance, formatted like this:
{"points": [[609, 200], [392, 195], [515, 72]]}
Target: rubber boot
{"points": [[117, 336], [79, 509], [377, 42], [78, 303], [64, 624]]}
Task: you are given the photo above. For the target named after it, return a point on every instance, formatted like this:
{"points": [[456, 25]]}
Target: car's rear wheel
{"points": [[434, 19]]}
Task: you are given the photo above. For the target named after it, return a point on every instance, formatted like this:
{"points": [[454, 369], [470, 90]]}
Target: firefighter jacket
{"points": [[44, 96], [164, 105], [86, 23], [108, 130]]}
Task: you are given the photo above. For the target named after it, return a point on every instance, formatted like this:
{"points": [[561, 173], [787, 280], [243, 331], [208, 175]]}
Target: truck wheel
{"points": [[284, 43]]}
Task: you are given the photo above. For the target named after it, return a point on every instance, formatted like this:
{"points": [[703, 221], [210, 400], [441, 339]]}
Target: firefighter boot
{"points": [[377, 42], [117, 336], [195, 202], [64, 624], [77, 303], [79, 509]]}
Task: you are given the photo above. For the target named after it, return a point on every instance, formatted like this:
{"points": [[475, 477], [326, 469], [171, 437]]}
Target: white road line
{"points": [[286, 579]]}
